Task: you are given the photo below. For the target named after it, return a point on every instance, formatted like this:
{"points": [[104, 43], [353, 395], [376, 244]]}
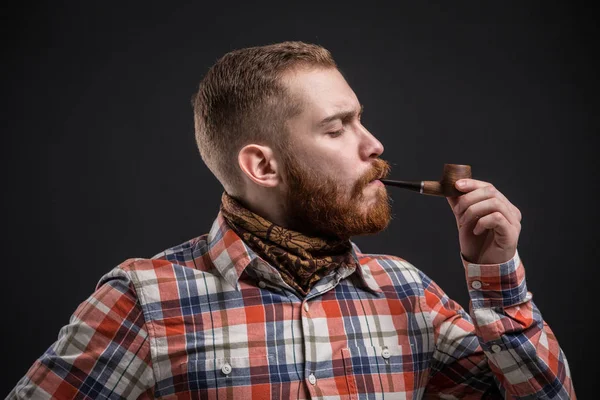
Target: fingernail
{"points": [[461, 183]]}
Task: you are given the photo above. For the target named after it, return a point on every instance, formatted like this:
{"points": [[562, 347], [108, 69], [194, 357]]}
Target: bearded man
{"points": [[276, 302]]}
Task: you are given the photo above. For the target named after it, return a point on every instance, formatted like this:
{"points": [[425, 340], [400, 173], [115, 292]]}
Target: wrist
{"points": [[490, 259]]}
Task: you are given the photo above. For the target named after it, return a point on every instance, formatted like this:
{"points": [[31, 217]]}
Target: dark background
{"points": [[100, 164]]}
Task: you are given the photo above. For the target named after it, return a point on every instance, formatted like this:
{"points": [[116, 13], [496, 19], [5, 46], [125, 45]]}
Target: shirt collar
{"points": [[231, 256], [363, 271], [228, 252]]}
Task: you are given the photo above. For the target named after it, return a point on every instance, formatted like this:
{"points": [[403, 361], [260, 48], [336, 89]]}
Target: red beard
{"points": [[317, 206]]}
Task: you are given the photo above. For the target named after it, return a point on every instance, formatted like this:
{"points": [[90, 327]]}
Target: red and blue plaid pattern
{"points": [[210, 319]]}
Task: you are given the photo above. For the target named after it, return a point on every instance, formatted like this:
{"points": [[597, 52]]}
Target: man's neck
{"points": [[266, 204]]}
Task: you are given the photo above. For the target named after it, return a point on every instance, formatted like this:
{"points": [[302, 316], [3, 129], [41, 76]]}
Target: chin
{"points": [[371, 202]]}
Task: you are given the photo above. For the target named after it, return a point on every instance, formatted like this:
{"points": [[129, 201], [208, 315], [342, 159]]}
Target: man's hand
{"points": [[488, 224]]}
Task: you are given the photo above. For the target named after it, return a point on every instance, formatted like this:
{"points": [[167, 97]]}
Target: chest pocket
{"points": [[232, 377], [376, 369]]}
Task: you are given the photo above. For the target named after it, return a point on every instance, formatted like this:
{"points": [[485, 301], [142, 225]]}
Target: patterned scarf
{"points": [[302, 260]]}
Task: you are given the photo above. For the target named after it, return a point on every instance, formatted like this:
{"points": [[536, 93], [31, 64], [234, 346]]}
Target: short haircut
{"points": [[242, 100]]}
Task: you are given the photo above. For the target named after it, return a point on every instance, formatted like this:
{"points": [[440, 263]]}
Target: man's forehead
{"points": [[323, 92]]}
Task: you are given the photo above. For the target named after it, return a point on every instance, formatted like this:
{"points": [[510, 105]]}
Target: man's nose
{"points": [[372, 148]]}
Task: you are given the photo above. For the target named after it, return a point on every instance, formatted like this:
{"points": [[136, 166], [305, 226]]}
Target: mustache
{"points": [[379, 170]]}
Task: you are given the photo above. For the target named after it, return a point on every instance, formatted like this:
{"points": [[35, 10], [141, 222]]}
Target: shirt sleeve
{"points": [[503, 348], [103, 352]]}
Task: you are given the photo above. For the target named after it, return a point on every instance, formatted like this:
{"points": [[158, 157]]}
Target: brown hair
{"points": [[242, 100]]}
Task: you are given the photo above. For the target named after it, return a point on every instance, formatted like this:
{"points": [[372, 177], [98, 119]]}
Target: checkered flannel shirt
{"points": [[210, 319]]}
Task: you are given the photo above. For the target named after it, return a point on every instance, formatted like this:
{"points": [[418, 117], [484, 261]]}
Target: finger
{"points": [[464, 185], [481, 191], [469, 185], [496, 221], [467, 200], [486, 207]]}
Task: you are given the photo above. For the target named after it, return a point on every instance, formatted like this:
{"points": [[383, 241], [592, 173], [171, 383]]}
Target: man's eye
{"points": [[335, 133]]}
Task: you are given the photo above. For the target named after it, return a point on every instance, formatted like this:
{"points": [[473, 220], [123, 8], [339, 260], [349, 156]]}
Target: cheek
{"points": [[341, 170], [347, 168], [331, 163]]}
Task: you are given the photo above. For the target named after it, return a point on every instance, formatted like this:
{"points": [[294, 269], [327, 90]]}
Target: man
{"points": [[276, 302]]}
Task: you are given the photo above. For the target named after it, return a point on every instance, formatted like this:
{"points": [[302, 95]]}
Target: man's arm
{"points": [[103, 352], [504, 347]]}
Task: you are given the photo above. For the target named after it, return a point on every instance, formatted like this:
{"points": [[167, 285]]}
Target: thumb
{"points": [[453, 201]]}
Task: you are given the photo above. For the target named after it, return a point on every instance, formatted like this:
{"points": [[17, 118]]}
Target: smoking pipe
{"points": [[445, 187]]}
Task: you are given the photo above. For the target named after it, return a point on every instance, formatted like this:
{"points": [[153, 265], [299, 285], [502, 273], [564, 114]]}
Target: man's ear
{"points": [[259, 165]]}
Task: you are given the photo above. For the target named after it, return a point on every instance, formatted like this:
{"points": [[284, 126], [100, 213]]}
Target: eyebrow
{"points": [[341, 115]]}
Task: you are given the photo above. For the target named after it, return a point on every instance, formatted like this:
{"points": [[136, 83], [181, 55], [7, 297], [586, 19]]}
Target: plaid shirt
{"points": [[210, 319]]}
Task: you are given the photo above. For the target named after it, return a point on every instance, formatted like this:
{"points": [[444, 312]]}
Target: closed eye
{"points": [[336, 133]]}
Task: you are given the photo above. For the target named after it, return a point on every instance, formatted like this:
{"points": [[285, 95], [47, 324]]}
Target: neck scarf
{"points": [[302, 260]]}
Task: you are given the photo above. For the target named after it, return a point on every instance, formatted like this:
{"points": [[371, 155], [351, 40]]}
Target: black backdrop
{"points": [[100, 164]]}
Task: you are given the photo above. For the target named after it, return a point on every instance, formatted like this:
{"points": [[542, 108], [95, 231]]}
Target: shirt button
{"points": [[476, 285], [386, 353], [262, 285], [226, 369], [312, 379], [496, 348], [306, 307]]}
